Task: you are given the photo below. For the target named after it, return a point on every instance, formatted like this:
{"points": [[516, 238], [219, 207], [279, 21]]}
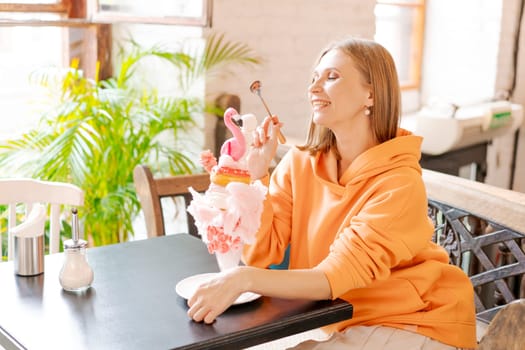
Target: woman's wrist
{"points": [[243, 275]]}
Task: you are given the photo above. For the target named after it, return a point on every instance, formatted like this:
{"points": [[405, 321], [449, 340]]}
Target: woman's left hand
{"points": [[213, 297]]}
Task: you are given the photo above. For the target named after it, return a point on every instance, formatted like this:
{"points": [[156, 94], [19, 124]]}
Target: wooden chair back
{"points": [[483, 229], [21, 194], [150, 192]]}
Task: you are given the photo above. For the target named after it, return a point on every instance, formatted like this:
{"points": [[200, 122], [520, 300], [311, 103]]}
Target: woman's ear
{"points": [[370, 99]]}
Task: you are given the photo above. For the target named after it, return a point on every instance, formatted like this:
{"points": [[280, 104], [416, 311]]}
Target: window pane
{"points": [[394, 30], [22, 51], [401, 2], [461, 55], [160, 8]]}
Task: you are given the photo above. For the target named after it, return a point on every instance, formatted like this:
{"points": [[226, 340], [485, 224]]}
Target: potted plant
{"points": [[98, 131]]}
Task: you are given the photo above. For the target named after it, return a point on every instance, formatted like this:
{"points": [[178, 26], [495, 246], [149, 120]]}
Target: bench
{"points": [[483, 229]]}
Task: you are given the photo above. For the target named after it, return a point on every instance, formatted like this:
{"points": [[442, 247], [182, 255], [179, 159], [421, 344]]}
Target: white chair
{"points": [[23, 192]]}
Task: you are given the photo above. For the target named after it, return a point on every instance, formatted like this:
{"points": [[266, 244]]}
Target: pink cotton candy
{"points": [[245, 205], [240, 219], [203, 212]]}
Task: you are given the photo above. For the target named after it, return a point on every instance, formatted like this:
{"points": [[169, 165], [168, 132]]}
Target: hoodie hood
{"points": [[402, 151]]}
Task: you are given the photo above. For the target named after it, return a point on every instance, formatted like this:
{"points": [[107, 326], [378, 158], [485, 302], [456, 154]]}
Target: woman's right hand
{"points": [[264, 147], [212, 298]]}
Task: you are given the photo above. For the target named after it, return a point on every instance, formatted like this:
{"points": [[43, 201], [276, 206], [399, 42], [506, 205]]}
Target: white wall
{"points": [[288, 35]]}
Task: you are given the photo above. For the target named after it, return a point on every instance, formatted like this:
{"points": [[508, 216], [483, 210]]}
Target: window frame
{"points": [[120, 17], [86, 12], [61, 7], [416, 40]]}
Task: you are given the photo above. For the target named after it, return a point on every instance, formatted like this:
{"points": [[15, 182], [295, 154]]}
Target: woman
{"points": [[352, 205]]}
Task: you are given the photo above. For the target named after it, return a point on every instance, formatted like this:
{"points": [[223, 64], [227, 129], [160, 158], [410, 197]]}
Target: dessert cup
{"points": [[230, 259]]}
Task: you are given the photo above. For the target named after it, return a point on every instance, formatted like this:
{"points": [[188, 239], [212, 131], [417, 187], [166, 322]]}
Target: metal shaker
{"points": [[28, 242], [29, 255]]}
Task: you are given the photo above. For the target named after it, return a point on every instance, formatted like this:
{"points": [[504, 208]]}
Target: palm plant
{"points": [[98, 131]]}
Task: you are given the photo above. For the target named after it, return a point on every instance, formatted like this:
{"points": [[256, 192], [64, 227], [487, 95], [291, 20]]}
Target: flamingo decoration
{"points": [[234, 146]]}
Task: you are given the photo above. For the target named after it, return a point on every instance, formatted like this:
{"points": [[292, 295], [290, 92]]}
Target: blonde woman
{"points": [[352, 206]]}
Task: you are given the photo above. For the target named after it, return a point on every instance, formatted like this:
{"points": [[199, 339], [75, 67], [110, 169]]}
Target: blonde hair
{"points": [[377, 68]]}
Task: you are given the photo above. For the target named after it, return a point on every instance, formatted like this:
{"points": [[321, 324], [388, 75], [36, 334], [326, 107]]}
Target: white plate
{"points": [[186, 287]]}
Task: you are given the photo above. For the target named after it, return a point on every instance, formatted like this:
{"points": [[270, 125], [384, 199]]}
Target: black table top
{"points": [[132, 304]]}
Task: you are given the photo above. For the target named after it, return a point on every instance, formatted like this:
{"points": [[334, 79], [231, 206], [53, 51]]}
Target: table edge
{"points": [[340, 311], [8, 342]]}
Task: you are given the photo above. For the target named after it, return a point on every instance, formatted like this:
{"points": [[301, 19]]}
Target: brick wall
{"points": [[288, 35]]}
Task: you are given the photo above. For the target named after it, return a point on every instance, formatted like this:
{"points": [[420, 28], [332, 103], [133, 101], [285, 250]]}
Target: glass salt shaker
{"points": [[76, 275]]}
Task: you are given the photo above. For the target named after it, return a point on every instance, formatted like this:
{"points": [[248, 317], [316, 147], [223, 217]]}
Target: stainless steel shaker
{"points": [[28, 239], [29, 255]]}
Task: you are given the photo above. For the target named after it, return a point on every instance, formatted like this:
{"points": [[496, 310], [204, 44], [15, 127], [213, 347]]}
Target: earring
{"points": [[367, 111]]}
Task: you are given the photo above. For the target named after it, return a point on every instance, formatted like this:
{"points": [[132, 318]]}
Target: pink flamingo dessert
{"points": [[228, 214]]}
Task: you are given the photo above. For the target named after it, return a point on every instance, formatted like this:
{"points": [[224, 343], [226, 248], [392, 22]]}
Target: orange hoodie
{"points": [[371, 236]]}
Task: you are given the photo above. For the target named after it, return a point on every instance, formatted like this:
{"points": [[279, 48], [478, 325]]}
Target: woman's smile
{"points": [[319, 104]]}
